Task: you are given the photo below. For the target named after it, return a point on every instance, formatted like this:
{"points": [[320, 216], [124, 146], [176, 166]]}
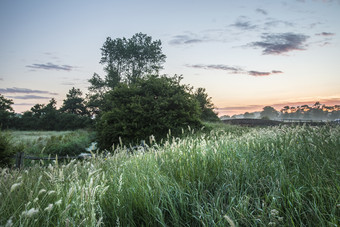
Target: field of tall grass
{"points": [[44, 143], [231, 176]]}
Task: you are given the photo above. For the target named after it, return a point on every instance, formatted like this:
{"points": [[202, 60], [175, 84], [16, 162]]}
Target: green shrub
{"points": [[151, 106], [6, 149]]}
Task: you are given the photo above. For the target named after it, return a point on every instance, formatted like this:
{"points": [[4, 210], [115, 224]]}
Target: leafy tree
{"points": [[206, 105], [150, 106], [74, 103], [131, 59], [269, 112], [6, 112], [49, 118], [124, 60]]}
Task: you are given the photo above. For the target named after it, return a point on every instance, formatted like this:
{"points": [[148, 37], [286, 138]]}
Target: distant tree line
{"points": [[317, 111], [72, 115]]}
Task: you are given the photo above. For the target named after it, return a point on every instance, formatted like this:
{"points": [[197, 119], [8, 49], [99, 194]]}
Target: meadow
{"points": [[229, 176]]}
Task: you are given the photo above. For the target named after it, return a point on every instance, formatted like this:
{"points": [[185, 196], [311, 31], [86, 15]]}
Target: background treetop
{"points": [[129, 59]]}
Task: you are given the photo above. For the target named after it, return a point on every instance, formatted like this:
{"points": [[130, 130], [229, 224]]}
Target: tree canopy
{"points": [[130, 59], [269, 112], [6, 112], [206, 105], [74, 103]]}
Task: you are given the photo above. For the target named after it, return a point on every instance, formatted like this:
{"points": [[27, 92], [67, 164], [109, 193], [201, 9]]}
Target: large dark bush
{"points": [[6, 149], [151, 106]]}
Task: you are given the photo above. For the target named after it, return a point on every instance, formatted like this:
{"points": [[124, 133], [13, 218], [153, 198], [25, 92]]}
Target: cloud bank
{"points": [[24, 90], [185, 39], [51, 66], [244, 25], [28, 97], [233, 69], [281, 43]]}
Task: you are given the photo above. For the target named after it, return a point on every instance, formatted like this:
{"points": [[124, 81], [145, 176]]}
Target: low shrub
{"points": [[6, 149]]}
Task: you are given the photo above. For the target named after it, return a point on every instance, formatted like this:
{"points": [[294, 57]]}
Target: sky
{"points": [[247, 54]]}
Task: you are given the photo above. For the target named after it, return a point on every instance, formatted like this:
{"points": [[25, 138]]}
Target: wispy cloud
{"points": [[281, 43], [271, 22], [1, 79], [24, 90], [244, 25], [257, 73], [68, 83], [261, 11], [186, 39], [233, 108], [233, 69], [326, 34], [28, 97], [51, 66]]}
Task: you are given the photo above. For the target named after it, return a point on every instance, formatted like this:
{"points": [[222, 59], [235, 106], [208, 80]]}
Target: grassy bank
{"points": [[248, 177]]}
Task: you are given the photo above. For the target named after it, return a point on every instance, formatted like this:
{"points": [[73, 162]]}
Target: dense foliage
{"points": [[150, 106], [6, 112], [7, 150], [283, 176], [72, 115]]}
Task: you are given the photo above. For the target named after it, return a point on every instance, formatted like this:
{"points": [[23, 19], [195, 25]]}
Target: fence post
{"points": [[19, 159]]}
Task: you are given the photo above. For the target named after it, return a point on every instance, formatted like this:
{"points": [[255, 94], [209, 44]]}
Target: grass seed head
{"points": [[231, 222], [49, 207], [15, 186], [30, 212]]}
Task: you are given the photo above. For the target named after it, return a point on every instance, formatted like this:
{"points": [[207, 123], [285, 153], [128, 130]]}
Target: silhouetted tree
{"points": [[132, 58], [6, 112], [124, 60], [74, 103], [206, 105], [269, 112]]}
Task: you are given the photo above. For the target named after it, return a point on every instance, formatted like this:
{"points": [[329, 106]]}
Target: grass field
{"points": [[44, 143], [232, 176]]}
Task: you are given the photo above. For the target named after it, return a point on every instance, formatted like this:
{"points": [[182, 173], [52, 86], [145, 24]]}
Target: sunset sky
{"points": [[246, 53]]}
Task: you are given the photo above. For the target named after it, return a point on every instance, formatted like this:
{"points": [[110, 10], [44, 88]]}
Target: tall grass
{"points": [[44, 143], [285, 176]]}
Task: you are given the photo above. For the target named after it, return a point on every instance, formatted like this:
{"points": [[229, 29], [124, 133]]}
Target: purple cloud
{"points": [[51, 66], [281, 43], [24, 90]]}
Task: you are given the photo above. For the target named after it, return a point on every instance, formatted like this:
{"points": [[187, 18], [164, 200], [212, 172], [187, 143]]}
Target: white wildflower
{"points": [[49, 207], [41, 191], [271, 224], [30, 212], [280, 218], [14, 186]]}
